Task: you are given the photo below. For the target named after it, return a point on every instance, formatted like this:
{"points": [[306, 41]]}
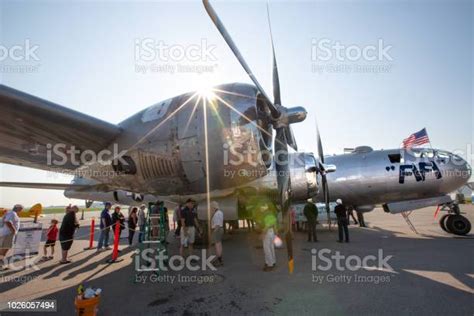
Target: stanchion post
{"points": [[91, 235], [116, 243]]}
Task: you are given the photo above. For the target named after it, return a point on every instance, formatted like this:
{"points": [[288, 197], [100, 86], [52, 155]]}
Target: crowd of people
{"points": [[263, 215]]}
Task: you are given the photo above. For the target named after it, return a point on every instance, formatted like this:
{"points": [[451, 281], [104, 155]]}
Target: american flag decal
{"points": [[416, 139]]}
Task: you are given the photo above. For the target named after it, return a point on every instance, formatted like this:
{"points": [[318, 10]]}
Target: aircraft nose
{"points": [[469, 169], [463, 169]]}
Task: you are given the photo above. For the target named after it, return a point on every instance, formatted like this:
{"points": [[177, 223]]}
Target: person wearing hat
{"points": [[105, 223], [342, 221], [310, 211], [8, 230], [69, 226], [217, 226], [189, 224]]}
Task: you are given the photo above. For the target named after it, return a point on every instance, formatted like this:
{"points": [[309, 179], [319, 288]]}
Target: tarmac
{"points": [[429, 273]]}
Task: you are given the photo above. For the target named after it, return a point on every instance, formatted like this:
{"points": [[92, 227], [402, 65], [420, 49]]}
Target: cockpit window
{"points": [[442, 154], [394, 158], [423, 153]]}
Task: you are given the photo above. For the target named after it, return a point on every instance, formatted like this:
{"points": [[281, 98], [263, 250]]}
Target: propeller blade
{"points": [[276, 79], [326, 199], [322, 170], [320, 145], [220, 26], [284, 189], [290, 136]]}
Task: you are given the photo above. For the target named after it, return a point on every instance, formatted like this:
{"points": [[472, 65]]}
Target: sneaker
{"points": [[216, 262], [268, 268], [108, 248]]}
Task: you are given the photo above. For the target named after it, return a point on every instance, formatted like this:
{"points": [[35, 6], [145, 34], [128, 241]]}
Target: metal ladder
{"points": [[155, 237]]}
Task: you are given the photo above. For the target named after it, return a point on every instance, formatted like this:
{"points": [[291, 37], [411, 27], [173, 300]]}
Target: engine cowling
{"points": [[364, 208], [304, 180]]}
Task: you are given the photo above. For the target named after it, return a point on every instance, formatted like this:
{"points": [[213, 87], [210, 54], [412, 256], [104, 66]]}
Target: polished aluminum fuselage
{"points": [[370, 178], [168, 144]]}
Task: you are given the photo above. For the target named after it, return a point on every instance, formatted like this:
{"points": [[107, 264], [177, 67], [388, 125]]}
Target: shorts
{"points": [[50, 243], [217, 234], [191, 235], [66, 242], [6, 242]]}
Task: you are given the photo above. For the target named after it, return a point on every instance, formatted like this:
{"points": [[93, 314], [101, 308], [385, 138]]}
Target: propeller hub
{"points": [[296, 114], [289, 116]]}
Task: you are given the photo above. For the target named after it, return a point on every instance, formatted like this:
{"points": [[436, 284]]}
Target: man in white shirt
{"points": [[141, 221], [217, 226], [10, 226]]}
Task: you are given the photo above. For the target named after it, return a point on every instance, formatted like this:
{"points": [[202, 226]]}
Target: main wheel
{"points": [[442, 222], [458, 225]]}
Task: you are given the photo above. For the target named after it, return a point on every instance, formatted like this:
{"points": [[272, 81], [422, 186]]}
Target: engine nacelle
{"points": [[304, 180], [364, 208]]}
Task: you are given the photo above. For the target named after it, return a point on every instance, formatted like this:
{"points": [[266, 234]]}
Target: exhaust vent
{"points": [[153, 166]]}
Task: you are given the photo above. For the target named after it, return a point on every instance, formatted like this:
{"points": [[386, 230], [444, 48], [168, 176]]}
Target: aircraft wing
{"points": [[30, 125], [46, 186]]}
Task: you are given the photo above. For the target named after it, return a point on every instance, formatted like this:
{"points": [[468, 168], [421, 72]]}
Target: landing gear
{"points": [[458, 225], [454, 222], [442, 222]]}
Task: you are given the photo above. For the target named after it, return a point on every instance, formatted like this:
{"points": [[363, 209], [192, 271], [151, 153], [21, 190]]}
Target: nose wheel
{"points": [[454, 222]]}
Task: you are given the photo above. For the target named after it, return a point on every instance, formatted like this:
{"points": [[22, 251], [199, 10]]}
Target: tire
{"points": [[442, 222], [458, 225]]}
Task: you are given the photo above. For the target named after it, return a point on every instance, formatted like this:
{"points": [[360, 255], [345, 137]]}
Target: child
{"points": [[51, 236]]}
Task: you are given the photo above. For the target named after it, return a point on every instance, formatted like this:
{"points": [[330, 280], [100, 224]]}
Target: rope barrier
{"points": [[82, 236]]}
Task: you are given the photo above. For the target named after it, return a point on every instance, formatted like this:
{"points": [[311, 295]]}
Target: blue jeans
{"points": [[141, 235], [342, 229], [103, 238]]}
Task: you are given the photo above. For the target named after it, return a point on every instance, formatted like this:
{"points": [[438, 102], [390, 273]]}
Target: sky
{"points": [[86, 59]]}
